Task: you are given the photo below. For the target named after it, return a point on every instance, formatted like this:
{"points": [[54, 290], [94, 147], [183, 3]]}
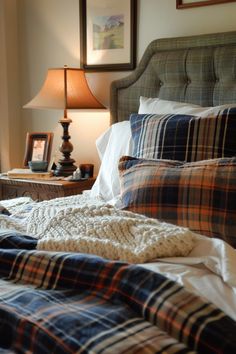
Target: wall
{"points": [[160, 18], [10, 140], [49, 37]]}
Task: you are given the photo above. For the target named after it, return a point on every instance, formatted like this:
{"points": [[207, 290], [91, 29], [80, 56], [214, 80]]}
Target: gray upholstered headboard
{"points": [[197, 69]]}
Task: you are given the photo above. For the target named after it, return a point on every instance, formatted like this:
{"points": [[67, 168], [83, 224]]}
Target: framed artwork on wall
{"points": [[38, 147], [108, 34], [182, 4]]}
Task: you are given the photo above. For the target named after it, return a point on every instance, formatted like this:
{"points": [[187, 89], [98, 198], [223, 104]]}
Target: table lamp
{"points": [[65, 88]]}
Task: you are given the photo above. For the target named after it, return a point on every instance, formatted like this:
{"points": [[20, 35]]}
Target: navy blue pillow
{"points": [[184, 137]]}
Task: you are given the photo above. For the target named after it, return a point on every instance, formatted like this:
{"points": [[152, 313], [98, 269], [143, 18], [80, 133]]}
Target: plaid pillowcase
{"points": [[184, 137], [199, 195]]}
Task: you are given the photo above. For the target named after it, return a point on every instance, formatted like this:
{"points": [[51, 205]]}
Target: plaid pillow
{"points": [[199, 195], [184, 137]]}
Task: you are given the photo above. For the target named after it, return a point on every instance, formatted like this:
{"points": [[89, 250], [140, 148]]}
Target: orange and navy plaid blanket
{"points": [[53, 302]]}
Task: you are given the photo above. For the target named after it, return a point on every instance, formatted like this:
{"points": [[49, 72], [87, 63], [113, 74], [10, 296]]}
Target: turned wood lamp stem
{"points": [[65, 165]]}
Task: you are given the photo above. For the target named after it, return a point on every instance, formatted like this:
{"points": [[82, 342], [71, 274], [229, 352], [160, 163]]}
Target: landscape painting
{"points": [[108, 32]]}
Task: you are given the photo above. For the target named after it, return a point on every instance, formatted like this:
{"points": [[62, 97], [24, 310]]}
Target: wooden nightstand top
{"points": [[41, 189]]}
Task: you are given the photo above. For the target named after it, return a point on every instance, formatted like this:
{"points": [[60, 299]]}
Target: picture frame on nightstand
{"points": [[38, 147]]}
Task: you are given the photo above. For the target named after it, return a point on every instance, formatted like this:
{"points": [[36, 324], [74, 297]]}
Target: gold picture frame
{"points": [[38, 147], [185, 4]]}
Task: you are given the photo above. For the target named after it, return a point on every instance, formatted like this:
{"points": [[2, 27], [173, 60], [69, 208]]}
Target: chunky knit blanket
{"points": [[84, 225]]}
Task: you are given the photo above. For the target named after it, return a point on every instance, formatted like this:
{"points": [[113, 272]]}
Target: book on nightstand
{"points": [[26, 173]]}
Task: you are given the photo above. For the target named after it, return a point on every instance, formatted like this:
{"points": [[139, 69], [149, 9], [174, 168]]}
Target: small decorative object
{"points": [[75, 177], [108, 34], [77, 174], [38, 147], [183, 4], [65, 88], [38, 166], [86, 170]]}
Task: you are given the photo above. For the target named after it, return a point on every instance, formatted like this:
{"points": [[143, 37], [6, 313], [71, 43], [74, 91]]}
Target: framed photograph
{"points": [[108, 34], [38, 147], [182, 4]]}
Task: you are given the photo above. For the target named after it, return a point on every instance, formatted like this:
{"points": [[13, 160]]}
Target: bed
{"points": [[145, 262]]}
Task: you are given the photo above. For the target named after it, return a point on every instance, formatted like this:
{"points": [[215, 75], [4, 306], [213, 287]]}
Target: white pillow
{"points": [[159, 106], [115, 142]]}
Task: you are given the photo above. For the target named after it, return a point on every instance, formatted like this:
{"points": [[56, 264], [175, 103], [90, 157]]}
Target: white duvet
{"points": [[208, 270]]}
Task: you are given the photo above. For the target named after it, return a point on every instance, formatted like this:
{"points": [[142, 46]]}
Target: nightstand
{"points": [[41, 189]]}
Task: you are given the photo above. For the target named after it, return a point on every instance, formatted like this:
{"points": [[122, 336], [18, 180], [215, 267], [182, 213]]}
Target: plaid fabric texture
{"points": [[199, 195], [180, 69], [12, 241], [184, 137], [74, 303]]}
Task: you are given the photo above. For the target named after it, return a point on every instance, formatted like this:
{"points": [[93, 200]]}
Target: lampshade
{"points": [[65, 88]]}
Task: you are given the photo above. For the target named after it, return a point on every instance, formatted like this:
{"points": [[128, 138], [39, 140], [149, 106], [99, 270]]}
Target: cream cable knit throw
{"points": [[82, 224], [19, 209], [105, 231], [22, 210]]}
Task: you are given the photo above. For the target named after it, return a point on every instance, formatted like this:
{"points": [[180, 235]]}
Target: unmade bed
{"points": [[145, 262]]}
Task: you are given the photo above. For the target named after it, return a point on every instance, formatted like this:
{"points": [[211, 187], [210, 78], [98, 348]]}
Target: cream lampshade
{"points": [[65, 88]]}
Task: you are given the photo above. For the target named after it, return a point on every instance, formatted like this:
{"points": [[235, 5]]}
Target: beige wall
{"points": [[10, 124], [49, 37]]}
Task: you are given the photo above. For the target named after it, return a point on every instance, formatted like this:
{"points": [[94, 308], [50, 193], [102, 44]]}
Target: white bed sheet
{"points": [[209, 271]]}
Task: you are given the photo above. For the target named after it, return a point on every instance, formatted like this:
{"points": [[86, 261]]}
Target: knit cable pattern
{"points": [[111, 233]]}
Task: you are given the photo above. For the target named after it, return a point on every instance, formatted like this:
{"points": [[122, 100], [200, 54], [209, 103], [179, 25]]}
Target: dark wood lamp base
{"points": [[65, 165]]}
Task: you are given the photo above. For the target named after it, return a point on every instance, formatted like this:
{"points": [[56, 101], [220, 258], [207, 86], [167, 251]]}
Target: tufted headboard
{"points": [[197, 69]]}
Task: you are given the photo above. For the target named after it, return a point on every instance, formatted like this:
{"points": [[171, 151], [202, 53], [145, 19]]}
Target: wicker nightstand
{"points": [[41, 189]]}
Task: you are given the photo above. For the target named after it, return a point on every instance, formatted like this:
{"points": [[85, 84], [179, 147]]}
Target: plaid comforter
{"points": [[76, 303]]}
